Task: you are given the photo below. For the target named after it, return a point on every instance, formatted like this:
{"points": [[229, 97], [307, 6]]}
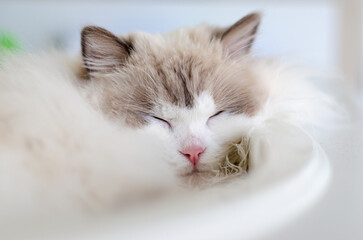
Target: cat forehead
{"points": [[179, 39], [179, 77], [176, 67], [204, 106], [174, 47]]}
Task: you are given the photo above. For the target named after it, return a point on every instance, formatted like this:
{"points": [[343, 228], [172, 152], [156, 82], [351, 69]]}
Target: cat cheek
{"points": [[212, 121], [209, 122]]}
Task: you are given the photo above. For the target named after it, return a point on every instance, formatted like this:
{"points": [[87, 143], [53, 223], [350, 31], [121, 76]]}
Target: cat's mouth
{"points": [[194, 172], [196, 178]]}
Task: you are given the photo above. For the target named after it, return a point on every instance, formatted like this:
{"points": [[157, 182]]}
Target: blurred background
{"points": [[323, 34]]}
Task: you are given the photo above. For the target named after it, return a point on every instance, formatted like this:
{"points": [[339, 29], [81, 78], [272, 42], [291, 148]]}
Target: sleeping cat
{"points": [[188, 83], [140, 115]]}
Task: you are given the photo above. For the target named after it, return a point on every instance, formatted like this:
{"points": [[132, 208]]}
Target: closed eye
{"points": [[216, 114], [163, 121]]}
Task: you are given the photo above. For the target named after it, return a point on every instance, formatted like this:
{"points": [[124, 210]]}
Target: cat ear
{"points": [[102, 51], [238, 39]]}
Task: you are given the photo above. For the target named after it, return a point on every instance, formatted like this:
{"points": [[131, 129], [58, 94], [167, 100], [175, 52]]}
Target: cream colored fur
{"points": [[60, 149], [58, 152]]}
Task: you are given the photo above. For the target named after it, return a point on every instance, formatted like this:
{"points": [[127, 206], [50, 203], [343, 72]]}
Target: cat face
{"points": [[192, 87]]}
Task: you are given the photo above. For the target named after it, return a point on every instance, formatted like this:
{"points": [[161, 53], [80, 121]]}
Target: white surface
{"points": [[339, 214]]}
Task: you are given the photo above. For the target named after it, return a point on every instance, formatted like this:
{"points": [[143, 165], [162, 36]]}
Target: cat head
{"points": [[193, 87]]}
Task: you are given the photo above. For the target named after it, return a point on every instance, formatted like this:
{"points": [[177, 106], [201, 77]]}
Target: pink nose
{"points": [[193, 153]]}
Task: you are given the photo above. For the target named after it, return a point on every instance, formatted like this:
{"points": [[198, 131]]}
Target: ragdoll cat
{"points": [[140, 115], [189, 82]]}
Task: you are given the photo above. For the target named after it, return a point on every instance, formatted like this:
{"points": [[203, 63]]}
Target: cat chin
{"points": [[202, 175], [204, 179], [196, 178]]}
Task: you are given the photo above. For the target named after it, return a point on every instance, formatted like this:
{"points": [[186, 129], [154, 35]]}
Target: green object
{"points": [[9, 42]]}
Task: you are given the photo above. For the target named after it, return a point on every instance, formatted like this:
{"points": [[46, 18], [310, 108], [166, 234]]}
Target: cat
{"points": [[139, 115], [189, 91]]}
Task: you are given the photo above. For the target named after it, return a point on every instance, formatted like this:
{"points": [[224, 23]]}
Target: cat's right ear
{"points": [[102, 51], [238, 39]]}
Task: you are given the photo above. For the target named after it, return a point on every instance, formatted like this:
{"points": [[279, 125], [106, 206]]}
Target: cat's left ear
{"points": [[102, 51], [238, 39]]}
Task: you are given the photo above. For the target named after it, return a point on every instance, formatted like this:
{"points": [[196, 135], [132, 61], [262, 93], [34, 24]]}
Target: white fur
{"points": [[291, 99], [57, 152]]}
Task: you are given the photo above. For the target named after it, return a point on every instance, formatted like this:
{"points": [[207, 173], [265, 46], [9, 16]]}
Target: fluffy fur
{"points": [[88, 135]]}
